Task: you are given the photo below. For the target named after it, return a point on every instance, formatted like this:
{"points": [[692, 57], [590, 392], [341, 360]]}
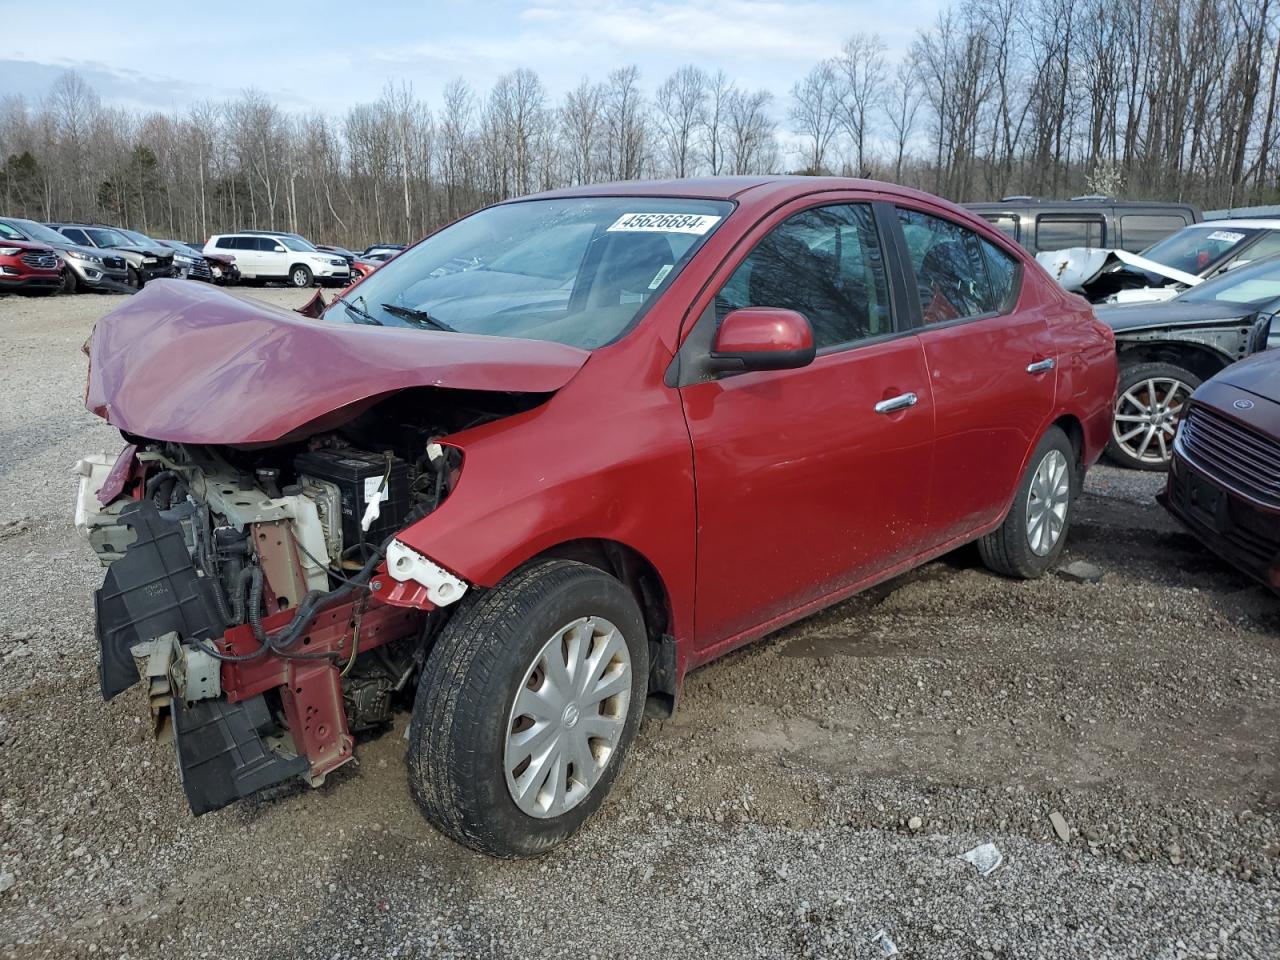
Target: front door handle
{"points": [[1041, 366], [900, 402]]}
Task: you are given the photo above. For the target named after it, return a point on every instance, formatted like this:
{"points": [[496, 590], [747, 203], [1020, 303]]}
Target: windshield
{"points": [[577, 270], [108, 238], [295, 243], [138, 238], [38, 231], [1253, 285], [1195, 249]]}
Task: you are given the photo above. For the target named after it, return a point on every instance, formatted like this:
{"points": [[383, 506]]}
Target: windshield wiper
{"points": [[364, 315], [420, 317]]}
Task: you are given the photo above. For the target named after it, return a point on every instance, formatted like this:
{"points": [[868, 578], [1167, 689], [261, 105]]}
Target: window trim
{"points": [[909, 271]]}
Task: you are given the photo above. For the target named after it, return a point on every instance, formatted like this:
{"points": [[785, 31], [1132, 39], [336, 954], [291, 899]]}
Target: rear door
{"points": [[804, 486], [990, 365]]}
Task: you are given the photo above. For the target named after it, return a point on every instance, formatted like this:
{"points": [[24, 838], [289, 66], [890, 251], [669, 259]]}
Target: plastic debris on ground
{"points": [[985, 857], [887, 947]]}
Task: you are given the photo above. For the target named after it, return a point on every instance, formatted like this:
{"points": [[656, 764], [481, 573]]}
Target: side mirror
{"points": [[277, 249], [762, 338]]}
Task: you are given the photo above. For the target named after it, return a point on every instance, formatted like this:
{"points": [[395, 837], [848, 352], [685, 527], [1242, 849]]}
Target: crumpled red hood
{"points": [[190, 363]]}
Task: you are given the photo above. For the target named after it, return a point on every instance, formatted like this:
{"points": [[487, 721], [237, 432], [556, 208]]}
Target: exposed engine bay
{"points": [[260, 592]]}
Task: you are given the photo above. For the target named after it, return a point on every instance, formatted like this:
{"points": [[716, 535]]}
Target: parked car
{"points": [[145, 260], [187, 264], [343, 252], [362, 267], [1091, 221], [285, 257], [1184, 259], [658, 421], [382, 252], [83, 268], [1224, 478], [27, 267], [1166, 348]]}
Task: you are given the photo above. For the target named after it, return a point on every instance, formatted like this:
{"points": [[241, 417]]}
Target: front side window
{"points": [[1006, 223], [77, 236], [575, 270], [950, 269], [826, 264], [293, 243], [1268, 245], [9, 233], [1253, 285], [1059, 233]]}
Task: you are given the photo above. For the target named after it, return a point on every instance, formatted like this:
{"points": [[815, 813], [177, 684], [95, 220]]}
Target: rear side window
{"points": [[1140, 230], [950, 268], [1059, 233], [1004, 222], [226, 243], [825, 263], [1268, 246]]}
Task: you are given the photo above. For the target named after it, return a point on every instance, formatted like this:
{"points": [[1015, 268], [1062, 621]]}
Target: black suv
{"points": [[1092, 221]]}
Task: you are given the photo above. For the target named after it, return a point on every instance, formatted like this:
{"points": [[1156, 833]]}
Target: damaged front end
{"points": [[1114, 276], [254, 581]]}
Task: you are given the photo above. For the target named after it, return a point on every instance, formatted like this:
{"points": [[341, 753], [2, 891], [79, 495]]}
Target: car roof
{"points": [[1257, 223]]}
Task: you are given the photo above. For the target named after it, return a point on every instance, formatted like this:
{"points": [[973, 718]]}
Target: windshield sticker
{"points": [[1226, 236], [695, 223], [660, 275]]}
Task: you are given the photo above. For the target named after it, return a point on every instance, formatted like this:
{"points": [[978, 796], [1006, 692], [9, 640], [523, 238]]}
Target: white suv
{"points": [[280, 256]]}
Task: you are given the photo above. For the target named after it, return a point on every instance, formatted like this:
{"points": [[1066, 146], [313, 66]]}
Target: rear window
{"points": [[1059, 233], [226, 243], [1140, 230]]}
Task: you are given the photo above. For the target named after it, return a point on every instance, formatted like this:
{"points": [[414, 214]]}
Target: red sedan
{"points": [[536, 468]]}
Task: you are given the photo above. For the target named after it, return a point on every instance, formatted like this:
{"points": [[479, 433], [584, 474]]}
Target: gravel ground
{"points": [[813, 790]]}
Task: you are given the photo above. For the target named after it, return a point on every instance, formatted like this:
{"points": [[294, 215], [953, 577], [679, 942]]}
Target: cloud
{"points": [[33, 79]]}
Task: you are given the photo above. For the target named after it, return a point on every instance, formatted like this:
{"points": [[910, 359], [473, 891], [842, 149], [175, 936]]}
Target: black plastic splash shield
{"points": [[152, 590], [222, 756]]}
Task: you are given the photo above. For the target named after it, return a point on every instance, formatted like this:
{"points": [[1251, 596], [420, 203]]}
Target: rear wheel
{"points": [[1148, 399], [300, 276], [526, 707], [1032, 536]]}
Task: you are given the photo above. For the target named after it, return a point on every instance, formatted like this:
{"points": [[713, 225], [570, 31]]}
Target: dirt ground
{"points": [[813, 790]]}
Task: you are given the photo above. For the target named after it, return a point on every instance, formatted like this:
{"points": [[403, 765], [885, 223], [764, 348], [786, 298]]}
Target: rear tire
{"points": [[1148, 398], [300, 276], [516, 784], [1030, 540]]}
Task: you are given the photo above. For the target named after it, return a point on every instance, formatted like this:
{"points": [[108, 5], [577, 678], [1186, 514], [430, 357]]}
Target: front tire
{"points": [[135, 279], [526, 707], [300, 276], [70, 282], [1034, 531], [1148, 399]]}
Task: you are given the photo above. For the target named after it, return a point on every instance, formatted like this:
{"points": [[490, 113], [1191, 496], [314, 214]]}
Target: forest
{"points": [[1143, 99]]}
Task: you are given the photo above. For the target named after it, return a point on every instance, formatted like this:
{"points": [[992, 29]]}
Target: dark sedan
{"points": [[1167, 348]]}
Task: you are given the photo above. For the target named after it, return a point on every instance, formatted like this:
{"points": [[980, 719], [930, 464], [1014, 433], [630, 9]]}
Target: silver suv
{"points": [[86, 267], [145, 261]]}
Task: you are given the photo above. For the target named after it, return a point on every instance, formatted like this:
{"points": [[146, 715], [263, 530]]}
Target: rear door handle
{"points": [[900, 402], [1040, 366]]}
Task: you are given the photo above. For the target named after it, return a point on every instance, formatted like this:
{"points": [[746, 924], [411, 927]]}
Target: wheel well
{"points": [[1074, 430], [295, 266], [642, 579], [1201, 361]]}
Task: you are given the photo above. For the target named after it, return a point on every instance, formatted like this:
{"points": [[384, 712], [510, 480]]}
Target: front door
{"points": [[813, 479]]}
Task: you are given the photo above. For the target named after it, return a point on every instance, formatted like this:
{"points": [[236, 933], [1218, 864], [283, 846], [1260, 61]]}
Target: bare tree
{"points": [[860, 77], [679, 113], [581, 127], [902, 106], [752, 142]]}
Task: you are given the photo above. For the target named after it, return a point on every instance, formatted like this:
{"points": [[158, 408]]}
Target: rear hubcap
{"points": [[567, 717], [1047, 502]]}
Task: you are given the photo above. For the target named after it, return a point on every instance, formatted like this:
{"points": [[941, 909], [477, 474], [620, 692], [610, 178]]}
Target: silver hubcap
{"points": [[1147, 418], [1047, 502], [299, 278], [567, 717]]}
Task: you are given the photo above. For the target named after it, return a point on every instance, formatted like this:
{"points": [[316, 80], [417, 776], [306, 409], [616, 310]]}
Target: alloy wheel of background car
{"points": [[1030, 539], [1047, 501], [567, 717], [483, 694], [1148, 400], [300, 276]]}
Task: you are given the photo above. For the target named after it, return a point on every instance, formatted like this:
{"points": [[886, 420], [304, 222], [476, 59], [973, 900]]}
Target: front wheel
{"points": [[70, 282], [135, 279], [526, 707], [1034, 531], [300, 276], [1148, 400]]}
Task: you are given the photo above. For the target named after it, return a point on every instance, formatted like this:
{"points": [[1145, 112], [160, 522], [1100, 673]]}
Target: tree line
{"points": [[1148, 99]]}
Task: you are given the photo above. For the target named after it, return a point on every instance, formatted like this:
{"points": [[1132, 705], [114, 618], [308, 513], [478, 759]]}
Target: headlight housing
{"points": [[10, 251], [86, 257]]}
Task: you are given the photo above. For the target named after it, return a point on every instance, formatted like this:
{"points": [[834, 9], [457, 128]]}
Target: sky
{"points": [[327, 56]]}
